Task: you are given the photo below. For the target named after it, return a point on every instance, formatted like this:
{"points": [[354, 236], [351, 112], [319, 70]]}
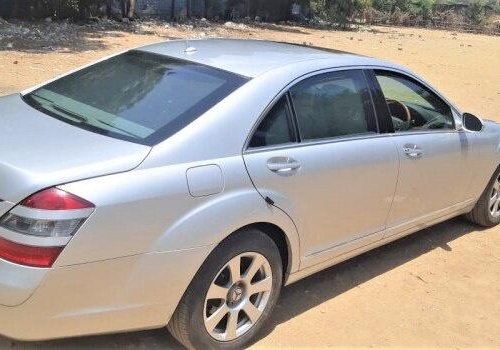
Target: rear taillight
{"points": [[55, 199], [37, 229], [28, 255]]}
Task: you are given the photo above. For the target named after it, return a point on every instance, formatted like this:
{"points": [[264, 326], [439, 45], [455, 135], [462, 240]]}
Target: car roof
{"points": [[251, 58]]}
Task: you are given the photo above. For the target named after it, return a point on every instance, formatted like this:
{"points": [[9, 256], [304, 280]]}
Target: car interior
{"points": [[412, 106]]}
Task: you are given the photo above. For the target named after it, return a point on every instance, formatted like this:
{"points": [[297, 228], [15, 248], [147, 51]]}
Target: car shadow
{"points": [[331, 282], [320, 287]]}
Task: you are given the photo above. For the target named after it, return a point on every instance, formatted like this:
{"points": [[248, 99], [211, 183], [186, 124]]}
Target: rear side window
{"points": [[332, 105], [276, 128], [137, 96]]}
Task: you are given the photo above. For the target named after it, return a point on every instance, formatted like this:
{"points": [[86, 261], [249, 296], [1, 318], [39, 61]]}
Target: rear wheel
{"points": [[232, 294], [486, 212]]}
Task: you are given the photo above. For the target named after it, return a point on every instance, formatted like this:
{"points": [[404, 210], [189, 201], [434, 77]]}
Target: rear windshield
{"points": [[137, 96]]}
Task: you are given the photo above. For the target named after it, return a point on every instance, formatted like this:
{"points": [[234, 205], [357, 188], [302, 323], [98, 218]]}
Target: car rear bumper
{"points": [[130, 293]]}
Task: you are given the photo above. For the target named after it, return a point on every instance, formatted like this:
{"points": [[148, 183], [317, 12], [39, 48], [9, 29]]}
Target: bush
{"points": [[60, 9], [477, 13], [421, 10], [341, 12]]}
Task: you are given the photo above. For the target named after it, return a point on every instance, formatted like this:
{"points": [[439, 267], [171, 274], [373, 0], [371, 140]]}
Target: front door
{"points": [[318, 157], [435, 158]]}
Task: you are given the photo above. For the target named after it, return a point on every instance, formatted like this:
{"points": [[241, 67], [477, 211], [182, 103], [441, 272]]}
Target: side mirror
{"points": [[471, 122]]}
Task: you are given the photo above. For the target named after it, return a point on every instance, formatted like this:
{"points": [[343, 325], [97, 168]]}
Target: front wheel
{"points": [[232, 295], [486, 212]]}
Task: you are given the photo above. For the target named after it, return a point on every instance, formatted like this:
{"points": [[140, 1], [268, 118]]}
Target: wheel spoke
{"points": [[264, 285], [217, 292], [232, 324], [256, 264], [234, 269], [213, 320], [493, 200], [496, 185], [496, 207], [251, 311]]}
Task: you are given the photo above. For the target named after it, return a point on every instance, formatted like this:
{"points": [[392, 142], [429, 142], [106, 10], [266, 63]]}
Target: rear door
{"points": [[435, 170], [318, 156]]}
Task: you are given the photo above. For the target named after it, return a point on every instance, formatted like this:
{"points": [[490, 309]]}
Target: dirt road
{"points": [[436, 288]]}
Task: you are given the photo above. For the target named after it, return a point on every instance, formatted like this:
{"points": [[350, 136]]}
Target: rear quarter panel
{"points": [[151, 210]]}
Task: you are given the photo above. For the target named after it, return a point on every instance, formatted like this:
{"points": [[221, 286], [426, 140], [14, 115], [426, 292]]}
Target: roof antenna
{"points": [[190, 49]]}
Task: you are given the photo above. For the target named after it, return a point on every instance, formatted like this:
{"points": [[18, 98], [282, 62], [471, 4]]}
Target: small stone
{"points": [[125, 20], [48, 20], [15, 62], [10, 45]]}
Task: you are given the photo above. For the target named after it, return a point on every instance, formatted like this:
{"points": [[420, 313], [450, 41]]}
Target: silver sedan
{"points": [[182, 184]]}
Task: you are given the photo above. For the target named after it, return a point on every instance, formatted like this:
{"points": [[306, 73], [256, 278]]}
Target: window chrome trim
{"points": [[306, 143], [455, 111], [285, 90], [339, 139]]}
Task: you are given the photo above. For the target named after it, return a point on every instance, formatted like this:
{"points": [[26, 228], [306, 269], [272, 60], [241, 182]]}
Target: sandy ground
{"points": [[435, 289]]}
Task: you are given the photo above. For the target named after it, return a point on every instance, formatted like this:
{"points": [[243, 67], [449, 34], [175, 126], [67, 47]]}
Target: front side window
{"points": [[332, 105], [137, 96], [413, 106], [276, 127]]}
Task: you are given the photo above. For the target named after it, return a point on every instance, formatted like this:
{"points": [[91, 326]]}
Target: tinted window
{"points": [[334, 104], [275, 128], [136, 96], [413, 106]]}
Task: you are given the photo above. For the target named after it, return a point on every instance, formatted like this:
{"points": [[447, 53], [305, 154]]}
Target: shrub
{"points": [[477, 13]]}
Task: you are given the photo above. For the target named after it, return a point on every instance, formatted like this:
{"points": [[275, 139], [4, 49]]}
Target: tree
{"points": [[131, 8], [172, 9], [188, 9], [128, 8]]}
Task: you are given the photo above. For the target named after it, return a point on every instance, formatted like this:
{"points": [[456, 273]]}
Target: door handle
{"points": [[283, 165], [412, 151]]}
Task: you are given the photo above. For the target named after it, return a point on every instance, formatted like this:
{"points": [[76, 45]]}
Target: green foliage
{"points": [[477, 12], [422, 9], [341, 12]]}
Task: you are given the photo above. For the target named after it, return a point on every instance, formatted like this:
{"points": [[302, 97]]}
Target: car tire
{"points": [[486, 212], [192, 321]]}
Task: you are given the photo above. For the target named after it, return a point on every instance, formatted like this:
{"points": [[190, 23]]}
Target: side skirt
{"points": [[390, 235]]}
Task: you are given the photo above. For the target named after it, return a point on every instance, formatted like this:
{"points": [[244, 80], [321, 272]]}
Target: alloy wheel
{"points": [[494, 202], [237, 296]]}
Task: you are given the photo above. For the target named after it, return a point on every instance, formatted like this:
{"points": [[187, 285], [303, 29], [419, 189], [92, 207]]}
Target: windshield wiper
{"points": [[78, 117], [117, 128], [73, 115], [68, 113]]}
